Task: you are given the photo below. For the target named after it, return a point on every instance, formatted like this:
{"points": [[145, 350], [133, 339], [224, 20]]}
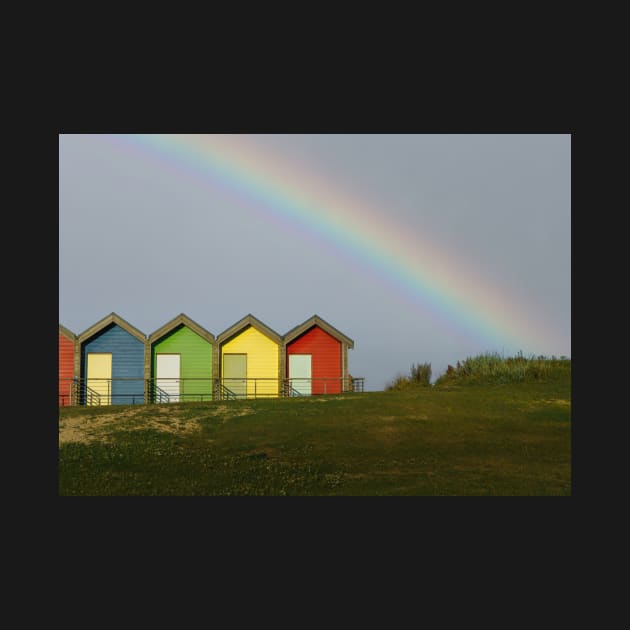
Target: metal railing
{"points": [[290, 392], [357, 384], [133, 391], [160, 396], [92, 397], [226, 393], [68, 394], [105, 391], [243, 388]]}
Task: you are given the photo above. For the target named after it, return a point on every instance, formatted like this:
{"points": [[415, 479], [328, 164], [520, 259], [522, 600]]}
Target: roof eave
{"points": [[112, 318], [254, 322], [181, 319], [316, 320]]}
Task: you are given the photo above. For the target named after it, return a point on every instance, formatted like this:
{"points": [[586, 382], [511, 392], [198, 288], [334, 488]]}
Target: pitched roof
{"points": [[249, 320], [112, 318], [66, 332], [316, 320], [181, 319]]}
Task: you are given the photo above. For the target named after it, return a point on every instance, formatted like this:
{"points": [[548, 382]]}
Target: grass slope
{"points": [[504, 439]]}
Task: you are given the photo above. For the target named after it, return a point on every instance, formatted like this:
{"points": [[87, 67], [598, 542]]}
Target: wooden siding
{"points": [[262, 360], [196, 361], [327, 359], [127, 362], [66, 369]]}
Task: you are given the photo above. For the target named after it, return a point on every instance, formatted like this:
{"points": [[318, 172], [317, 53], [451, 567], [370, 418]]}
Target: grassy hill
{"points": [[459, 438]]}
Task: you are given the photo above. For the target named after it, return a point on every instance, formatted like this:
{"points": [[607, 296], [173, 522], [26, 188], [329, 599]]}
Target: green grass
{"points": [[495, 439]]}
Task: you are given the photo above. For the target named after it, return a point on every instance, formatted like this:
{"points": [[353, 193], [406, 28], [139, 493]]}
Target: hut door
{"points": [[167, 375], [99, 378], [300, 373], [235, 373]]}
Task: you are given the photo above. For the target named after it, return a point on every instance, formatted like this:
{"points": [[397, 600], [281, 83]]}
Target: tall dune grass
{"points": [[494, 368]]}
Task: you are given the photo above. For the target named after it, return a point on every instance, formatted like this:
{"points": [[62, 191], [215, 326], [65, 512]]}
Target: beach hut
{"points": [[316, 358], [180, 361], [251, 361], [67, 367], [112, 356]]}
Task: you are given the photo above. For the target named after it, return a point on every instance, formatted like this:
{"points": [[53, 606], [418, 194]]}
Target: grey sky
{"points": [[143, 238]]}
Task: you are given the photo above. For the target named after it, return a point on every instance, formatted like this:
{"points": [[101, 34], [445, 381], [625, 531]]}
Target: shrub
{"points": [[420, 375]]}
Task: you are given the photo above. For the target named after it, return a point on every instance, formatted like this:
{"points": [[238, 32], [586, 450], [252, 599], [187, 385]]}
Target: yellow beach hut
{"points": [[251, 363]]}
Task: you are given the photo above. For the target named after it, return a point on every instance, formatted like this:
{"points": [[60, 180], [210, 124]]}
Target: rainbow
{"points": [[421, 272]]}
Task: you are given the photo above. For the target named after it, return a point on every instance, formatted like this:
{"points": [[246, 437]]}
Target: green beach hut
{"points": [[180, 363]]}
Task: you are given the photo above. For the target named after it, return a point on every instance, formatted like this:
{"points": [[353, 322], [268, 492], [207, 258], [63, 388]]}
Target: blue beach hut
{"points": [[112, 355]]}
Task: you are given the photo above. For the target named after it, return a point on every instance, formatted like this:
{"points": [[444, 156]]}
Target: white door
{"points": [[167, 375], [300, 373]]}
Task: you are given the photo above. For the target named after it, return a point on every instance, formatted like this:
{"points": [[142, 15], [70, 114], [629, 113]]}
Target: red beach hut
{"points": [[67, 358], [317, 358]]}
